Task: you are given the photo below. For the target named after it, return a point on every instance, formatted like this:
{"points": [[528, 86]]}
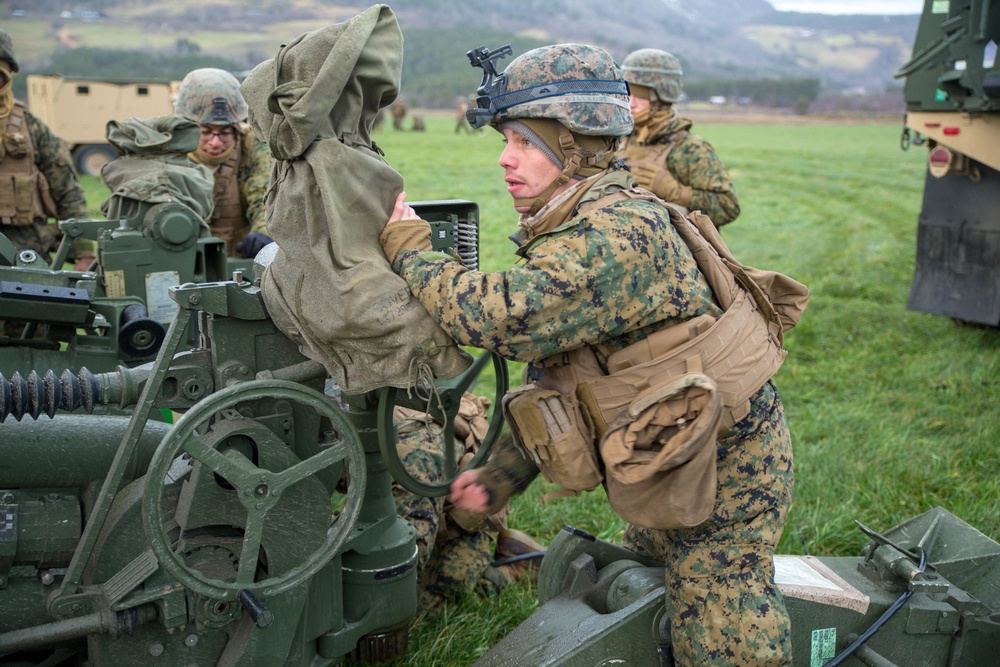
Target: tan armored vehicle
{"points": [[78, 111]]}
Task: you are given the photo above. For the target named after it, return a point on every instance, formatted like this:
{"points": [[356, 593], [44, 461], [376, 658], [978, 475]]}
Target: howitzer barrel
{"points": [[73, 451]]}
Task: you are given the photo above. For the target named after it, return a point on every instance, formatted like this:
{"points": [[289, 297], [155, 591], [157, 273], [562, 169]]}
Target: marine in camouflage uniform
{"points": [[607, 274], [454, 548], [664, 155], [58, 193], [240, 162]]}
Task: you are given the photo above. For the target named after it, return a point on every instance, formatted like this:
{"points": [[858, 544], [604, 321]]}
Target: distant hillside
{"points": [[715, 39]]}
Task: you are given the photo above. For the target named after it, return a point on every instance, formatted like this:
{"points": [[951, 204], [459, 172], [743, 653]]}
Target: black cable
{"points": [[882, 620], [517, 558]]}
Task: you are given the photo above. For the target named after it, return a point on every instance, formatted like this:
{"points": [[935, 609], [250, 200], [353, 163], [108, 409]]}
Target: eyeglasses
{"points": [[225, 134]]}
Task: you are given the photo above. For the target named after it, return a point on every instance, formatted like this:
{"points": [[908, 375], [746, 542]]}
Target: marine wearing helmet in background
{"points": [[241, 164], [602, 265], [38, 180], [664, 156]]}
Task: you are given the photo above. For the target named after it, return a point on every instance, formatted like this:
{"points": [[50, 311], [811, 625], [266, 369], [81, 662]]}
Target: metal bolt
{"points": [[156, 650], [47, 578], [191, 640], [194, 299]]}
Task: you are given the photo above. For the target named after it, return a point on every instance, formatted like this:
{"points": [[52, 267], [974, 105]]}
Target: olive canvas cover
{"points": [[154, 167], [330, 287]]}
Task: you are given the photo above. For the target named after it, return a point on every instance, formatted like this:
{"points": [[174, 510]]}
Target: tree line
{"points": [[762, 92], [436, 71]]}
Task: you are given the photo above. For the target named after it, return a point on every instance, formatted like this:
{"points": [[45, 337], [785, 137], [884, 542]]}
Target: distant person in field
{"points": [[37, 179], [663, 155], [461, 123], [398, 111], [241, 164]]}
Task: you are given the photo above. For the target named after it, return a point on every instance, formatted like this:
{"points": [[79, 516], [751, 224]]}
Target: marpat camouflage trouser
{"points": [[724, 607], [450, 559], [40, 237]]}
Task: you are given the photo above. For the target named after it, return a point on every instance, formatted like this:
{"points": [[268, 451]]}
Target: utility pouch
{"points": [[660, 454], [553, 429], [24, 199]]}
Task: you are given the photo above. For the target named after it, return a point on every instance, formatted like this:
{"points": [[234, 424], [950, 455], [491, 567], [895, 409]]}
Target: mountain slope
{"points": [[715, 39]]}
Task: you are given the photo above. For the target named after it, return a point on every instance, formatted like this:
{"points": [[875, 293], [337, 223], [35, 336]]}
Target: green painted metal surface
{"points": [[257, 529]]}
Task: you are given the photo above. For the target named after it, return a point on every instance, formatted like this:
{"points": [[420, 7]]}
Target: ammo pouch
{"points": [[548, 422], [660, 454], [555, 432], [24, 190]]}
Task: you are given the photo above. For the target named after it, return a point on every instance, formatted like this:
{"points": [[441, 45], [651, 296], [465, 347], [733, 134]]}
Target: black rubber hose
{"points": [[882, 620]]}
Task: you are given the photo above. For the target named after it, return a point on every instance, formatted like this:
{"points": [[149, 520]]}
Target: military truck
{"points": [[952, 96], [78, 110]]}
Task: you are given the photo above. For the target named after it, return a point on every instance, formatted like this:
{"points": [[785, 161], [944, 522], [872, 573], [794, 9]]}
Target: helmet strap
{"points": [[536, 203], [577, 158]]}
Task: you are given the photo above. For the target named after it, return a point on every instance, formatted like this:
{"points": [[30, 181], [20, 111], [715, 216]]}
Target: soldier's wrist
{"points": [[403, 235]]}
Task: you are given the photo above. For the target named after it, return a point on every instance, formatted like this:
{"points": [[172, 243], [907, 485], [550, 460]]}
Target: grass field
{"points": [[892, 412]]}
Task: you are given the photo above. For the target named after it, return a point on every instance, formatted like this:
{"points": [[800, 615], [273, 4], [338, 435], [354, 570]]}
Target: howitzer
{"points": [[116, 313], [260, 529], [926, 592]]}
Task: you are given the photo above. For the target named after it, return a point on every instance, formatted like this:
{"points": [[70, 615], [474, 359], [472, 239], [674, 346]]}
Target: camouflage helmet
{"points": [[7, 51], [578, 85], [211, 97], [657, 70]]}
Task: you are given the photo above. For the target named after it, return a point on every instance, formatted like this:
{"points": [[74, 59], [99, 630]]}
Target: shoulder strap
{"points": [[780, 298]]}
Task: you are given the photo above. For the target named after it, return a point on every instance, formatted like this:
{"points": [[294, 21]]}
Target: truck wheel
{"points": [[91, 158]]}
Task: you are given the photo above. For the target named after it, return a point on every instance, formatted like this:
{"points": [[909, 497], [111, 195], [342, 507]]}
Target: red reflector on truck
{"points": [[951, 131], [939, 161]]}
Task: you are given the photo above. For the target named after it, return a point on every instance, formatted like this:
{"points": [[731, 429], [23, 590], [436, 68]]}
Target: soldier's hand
{"points": [[468, 494], [83, 263], [252, 244], [659, 181], [402, 211]]}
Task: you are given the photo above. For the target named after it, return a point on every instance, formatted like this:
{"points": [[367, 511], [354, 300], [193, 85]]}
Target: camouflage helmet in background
{"points": [[578, 85], [655, 69], [211, 96], [7, 51]]}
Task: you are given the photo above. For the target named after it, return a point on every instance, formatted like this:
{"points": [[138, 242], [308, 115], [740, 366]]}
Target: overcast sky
{"points": [[850, 6]]}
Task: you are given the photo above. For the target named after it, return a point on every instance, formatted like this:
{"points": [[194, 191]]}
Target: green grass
{"points": [[892, 412]]}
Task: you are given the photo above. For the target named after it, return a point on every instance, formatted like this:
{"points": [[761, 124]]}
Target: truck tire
{"points": [[90, 158]]}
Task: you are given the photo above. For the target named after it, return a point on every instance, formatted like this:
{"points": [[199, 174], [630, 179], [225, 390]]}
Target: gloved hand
{"points": [[252, 244], [659, 181]]}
